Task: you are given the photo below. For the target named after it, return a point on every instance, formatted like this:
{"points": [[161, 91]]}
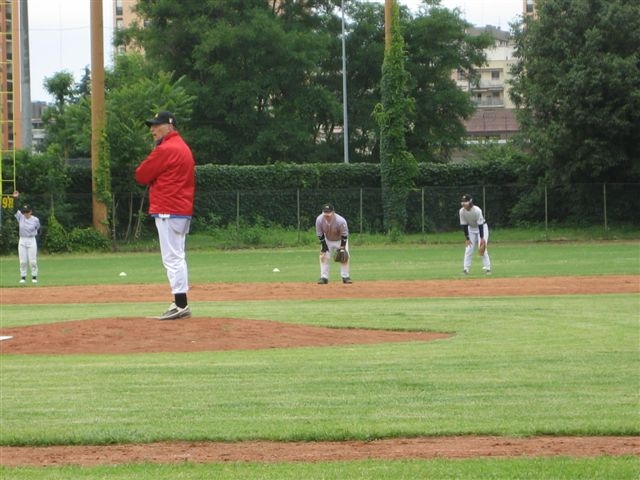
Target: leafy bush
{"points": [[8, 233], [87, 240], [57, 238]]}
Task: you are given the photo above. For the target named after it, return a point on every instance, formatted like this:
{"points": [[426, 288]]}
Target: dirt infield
{"points": [[388, 449], [484, 287], [131, 335]]}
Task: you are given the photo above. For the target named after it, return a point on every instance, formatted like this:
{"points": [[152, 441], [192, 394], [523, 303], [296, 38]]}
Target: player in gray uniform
{"points": [[333, 232], [476, 233], [28, 228]]}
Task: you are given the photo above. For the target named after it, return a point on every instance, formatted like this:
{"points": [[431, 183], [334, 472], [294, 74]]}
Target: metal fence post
{"points": [[604, 195], [422, 209], [238, 211], [546, 214], [484, 201], [361, 211], [298, 210]]}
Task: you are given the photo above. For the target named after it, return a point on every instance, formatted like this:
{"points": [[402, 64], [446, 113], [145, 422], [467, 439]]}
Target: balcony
{"points": [[481, 86], [488, 102], [488, 85]]}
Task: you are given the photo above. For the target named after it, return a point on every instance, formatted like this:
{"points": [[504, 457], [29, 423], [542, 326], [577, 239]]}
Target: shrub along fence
{"points": [[430, 209]]}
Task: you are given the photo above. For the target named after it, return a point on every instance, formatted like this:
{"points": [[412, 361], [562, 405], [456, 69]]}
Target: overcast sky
{"points": [[60, 32]]}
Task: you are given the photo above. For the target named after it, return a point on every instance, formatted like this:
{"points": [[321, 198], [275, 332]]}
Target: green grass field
{"points": [[369, 262], [516, 366]]}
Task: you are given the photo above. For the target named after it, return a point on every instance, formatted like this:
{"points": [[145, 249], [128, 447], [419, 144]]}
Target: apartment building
{"points": [[495, 113], [123, 17], [529, 8], [15, 96], [491, 89]]}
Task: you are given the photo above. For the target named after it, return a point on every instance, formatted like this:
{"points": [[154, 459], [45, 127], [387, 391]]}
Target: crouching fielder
{"points": [[333, 233], [476, 234]]}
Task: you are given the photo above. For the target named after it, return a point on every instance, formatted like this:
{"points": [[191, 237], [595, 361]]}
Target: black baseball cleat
{"points": [[323, 281], [174, 313], [347, 280]]}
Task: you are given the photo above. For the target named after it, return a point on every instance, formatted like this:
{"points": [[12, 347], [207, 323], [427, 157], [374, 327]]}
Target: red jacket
{"points": [[169, 170]]}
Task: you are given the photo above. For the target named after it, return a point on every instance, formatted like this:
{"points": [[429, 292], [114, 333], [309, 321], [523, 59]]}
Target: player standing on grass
{"points": [[169, 171], [28, 229], [476, 234], [333, 232]]}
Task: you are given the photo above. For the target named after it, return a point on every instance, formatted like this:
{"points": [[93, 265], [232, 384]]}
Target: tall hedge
{"points": [[292, 194], [397, 165]]}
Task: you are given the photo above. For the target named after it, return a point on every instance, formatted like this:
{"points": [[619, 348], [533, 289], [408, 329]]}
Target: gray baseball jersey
{"points": [[28, 227], [332, 230], [472, 217]]}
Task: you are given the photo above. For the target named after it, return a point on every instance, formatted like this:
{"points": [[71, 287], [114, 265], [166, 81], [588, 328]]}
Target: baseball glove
{"points": [[341, 256], [482, 247]]}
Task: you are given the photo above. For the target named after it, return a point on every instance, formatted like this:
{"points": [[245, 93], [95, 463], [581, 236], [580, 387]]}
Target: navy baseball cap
{"points": [[466, 199], [26, 208], [162, 118], [327, 208]]}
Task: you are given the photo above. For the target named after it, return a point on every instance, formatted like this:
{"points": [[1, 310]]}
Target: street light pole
{"points": [[345, 119]]}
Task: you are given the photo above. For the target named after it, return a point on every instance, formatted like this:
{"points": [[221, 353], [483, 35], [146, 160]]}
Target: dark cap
{"points": [[466, 198], [25, 208], [327, 208], [162, 118]]}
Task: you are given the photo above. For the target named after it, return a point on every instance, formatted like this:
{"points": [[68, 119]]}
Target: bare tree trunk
{"points": [[138, 229]]}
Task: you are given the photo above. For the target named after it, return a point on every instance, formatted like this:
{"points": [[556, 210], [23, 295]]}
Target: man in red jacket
{"points": [[169, 171]]}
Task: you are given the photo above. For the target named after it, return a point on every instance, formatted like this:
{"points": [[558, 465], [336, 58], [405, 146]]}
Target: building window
{"points": [[119, 7], [495, 74], [530, 6]]}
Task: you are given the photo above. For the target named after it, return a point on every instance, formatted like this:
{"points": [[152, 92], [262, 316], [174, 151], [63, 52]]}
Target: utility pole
{"points": [[97, 114], [388, 8], [345, 130]]}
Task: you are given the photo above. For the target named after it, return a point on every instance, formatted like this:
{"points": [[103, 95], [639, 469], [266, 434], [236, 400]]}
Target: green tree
{"points": [[438, 44], [67, 122], [254, 68], [42, 179], [398, 167], [268, 76], [60, 86], [577, 86], [365, 54], [136, 90]]}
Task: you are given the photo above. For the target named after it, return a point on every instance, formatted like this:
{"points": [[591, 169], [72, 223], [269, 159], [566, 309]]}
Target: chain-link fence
{"points": [[429, 209]]}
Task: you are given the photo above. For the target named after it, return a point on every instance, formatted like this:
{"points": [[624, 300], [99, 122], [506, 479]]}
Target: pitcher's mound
{"points": [[140, 335]]}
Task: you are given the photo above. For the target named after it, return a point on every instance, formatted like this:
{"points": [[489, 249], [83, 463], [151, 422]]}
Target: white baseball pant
{"points": [[474, 237], [326, 259], [28, 255], [172, 233]]}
